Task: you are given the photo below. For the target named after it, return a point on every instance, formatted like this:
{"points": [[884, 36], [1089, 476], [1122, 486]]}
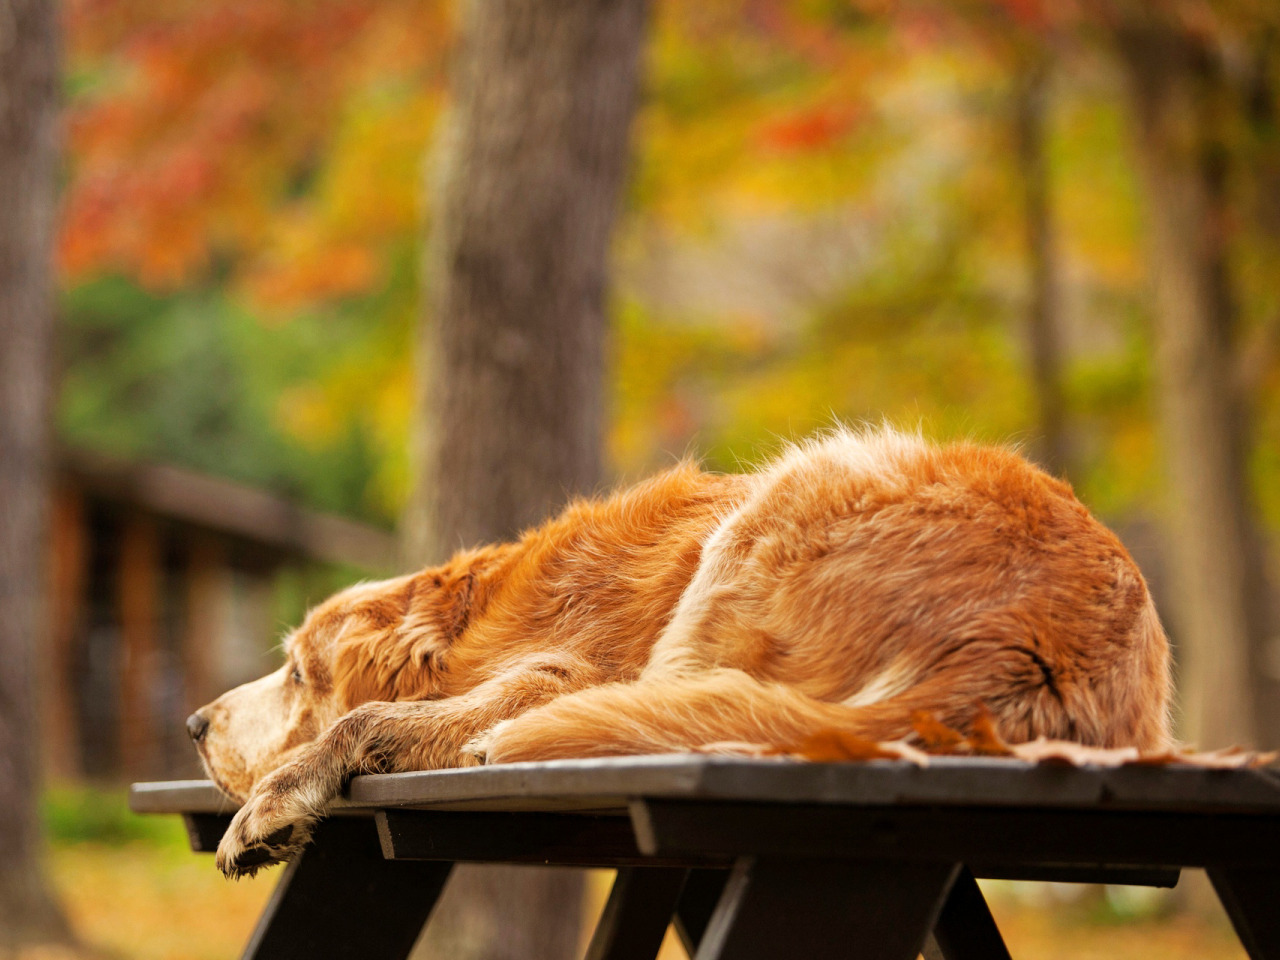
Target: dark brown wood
{"points": [[702, 892], [560, 839], [139, 601], [229, 509], [205, 830], [826, 908], [340, 898], [970, 835], [637, 914], [1251, 898], [206, 563], [1067, 873], [68, 580], [965, 929]]}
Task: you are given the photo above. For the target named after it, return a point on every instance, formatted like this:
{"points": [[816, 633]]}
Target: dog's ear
{"points": [[398, 647], [445, 602]]}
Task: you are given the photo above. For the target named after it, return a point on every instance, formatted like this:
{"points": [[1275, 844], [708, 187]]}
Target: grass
{"points": [[134, 890], [145, 902], [132, 887]]}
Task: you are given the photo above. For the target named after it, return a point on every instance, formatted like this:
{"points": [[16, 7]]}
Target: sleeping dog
{"points": [[855, 580]]}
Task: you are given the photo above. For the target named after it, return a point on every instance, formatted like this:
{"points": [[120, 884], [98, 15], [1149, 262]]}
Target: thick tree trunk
{"points": [[527, 191], [1043, 333], [1220, 617], [28, 156], [511, 402]]}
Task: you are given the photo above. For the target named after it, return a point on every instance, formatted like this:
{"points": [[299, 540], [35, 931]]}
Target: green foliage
{"points": [[195, 379], [89, 814]]}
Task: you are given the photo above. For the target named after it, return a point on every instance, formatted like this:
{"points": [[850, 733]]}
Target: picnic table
{"points": [[763, 858]]}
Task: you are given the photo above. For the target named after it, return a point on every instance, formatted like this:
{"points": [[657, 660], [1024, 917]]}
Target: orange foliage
{"points": [[811, 127], [199, 125]]}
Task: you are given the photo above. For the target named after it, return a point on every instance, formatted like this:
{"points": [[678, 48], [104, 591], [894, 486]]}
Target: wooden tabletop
{"points": [[606, 785]]}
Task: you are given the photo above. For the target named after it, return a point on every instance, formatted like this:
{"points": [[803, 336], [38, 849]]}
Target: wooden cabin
{"points": [[162, 589]]}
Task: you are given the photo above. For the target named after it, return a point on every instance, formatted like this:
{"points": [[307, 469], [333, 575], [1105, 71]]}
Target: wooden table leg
{"points": [[1251, 897], [965, 929], [869, 910], [636, 917], [698, 900], [341, 899]]}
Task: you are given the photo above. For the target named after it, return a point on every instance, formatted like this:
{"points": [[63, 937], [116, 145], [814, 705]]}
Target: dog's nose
{"points": [[197, 724]]}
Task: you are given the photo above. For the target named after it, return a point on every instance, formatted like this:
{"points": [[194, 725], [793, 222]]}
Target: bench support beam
{"points": [[341, 898], [637, 914], [1251, 898], [826, 909]]}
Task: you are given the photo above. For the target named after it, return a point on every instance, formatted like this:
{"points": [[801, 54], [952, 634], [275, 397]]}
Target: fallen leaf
{"points": [[1072, 754], [1228, 758], [984, 741], [934, 735], [832, 745]]}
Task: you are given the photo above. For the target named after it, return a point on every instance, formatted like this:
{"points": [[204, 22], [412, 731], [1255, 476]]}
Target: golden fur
{"points": [[855, 580]]}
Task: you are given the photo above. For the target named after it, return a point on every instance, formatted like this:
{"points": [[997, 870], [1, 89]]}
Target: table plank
{"points": [[552, 838], [605, 785], [985, 838]]}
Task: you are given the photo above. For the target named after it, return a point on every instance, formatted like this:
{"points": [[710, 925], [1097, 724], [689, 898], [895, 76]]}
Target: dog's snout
{"points": [[197, 725]]}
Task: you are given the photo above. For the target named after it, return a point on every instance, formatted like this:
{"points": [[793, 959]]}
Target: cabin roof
{"points": [[229, 508]]}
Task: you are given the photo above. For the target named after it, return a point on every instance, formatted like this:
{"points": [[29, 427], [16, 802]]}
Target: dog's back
{"points": [[864, 577]]}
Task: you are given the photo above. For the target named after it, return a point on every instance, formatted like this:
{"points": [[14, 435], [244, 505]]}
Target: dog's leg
{"points": [[680, 713], [276, 821]]}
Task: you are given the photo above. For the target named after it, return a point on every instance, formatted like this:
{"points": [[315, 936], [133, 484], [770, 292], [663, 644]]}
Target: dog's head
{"points": [[374, 641]]}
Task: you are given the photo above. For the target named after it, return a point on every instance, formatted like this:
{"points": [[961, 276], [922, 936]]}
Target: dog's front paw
{"points": [[267, 830]]}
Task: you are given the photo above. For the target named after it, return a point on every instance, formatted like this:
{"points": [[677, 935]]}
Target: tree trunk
{"points": [[28, 156], [511, 360], [1220, 615], [1043, 334], [530, 170]]}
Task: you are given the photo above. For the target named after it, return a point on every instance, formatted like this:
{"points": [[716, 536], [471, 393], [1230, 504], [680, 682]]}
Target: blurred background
{"points": [[1056, 224]]}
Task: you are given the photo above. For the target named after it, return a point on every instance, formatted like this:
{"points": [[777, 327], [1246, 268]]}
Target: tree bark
{"points": [[510, 408], [1220, 615], [28, 157], [531, 165], [1043, 331]]}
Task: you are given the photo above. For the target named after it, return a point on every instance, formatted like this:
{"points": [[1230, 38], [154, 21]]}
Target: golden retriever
{"points": [[858, 578]]}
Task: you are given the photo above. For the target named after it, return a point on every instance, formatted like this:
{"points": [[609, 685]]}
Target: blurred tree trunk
{"points": [[1179, 96], [1259, 350], [1043, 309], [28, 158], [510, 409]]}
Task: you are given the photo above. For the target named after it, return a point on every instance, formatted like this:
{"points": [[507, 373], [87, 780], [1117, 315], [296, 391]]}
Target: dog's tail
{"points": [[671, 714]]}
